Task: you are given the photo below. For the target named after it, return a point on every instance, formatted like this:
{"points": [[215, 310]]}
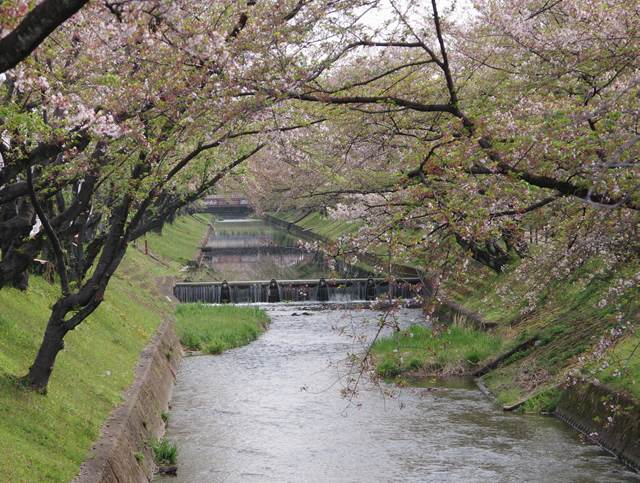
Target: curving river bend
{"points": [[272, 412]]}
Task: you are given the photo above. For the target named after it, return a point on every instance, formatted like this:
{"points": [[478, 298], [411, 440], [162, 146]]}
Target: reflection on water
{"points": [[248, 249], [272, 412]]}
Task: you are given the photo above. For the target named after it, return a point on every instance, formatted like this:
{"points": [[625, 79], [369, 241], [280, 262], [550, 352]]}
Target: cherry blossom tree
{"points": [[446, 139], [522, 110], [125, 114]]}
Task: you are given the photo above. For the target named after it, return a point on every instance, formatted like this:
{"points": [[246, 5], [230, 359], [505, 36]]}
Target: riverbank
{"points": [[565, 321], [537, 347], [315, 227], [581, 328], [321, 226], [46, 438], [575, 354], [421, 352], [215, 329]]}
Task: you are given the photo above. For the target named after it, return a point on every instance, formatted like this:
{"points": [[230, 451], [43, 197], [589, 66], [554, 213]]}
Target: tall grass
{"points": [[165, 452], [214, 329], [451, 352]]}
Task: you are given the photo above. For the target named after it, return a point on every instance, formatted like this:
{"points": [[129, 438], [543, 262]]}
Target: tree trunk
{"points": [[52, 343], [14, 265], [34, 28]]}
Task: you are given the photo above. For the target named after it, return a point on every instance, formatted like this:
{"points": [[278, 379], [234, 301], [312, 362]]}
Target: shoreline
{"points": [[122, 451]]}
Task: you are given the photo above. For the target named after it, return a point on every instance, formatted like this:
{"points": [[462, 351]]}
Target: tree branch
{"points": [[36, 26], [522, 211], [51, 234], [416, 106]]}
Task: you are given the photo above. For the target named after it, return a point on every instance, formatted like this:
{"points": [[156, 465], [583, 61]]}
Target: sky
{"points": [[375, 18]]}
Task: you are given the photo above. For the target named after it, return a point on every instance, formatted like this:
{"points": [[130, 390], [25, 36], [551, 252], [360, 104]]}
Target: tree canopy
{"points": [[451, 136]]}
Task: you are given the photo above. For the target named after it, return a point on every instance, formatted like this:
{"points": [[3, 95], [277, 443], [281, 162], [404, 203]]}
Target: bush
{"points": [[165, 452]]}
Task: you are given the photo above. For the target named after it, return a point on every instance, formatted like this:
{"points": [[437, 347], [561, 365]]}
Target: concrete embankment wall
{"points": [[447, 311], [203, 243], [309, 235], [611, 419], [122, 453]]}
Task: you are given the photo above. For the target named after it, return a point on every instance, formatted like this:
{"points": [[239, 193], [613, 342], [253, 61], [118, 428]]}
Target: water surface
{"points": [[250, 249], [272, 412]]}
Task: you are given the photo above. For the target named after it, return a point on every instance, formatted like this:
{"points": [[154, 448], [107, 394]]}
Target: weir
{"points": [[280, 392], [227, 206], [338, 290], [208, 253], [255, 254]]}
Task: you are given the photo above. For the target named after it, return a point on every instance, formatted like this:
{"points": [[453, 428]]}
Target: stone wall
{"points": [[122, 452], [588, 407]]}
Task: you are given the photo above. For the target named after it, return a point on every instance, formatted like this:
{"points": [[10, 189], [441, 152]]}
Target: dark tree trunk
{"points": [[34, 28], [52, 343], [73, 308], [16, 221], [14, 267]]}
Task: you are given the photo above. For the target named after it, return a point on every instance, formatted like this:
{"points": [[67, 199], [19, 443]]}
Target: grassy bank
{"points": [[585, 326], [216, 329], [178, 243], [330, 231], [320, 225], [46, 438], [420, 351], [572, 320]]}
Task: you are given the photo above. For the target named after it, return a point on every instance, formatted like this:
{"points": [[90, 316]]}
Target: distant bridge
{"points": [[258, 291], [227, 206], [208, 253]]}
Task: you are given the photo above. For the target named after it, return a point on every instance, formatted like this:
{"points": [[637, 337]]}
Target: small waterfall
{"points": [[339, 290], [250, 248]]}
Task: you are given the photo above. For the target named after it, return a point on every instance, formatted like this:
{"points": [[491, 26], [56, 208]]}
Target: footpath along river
{"points": [[272, 412]]}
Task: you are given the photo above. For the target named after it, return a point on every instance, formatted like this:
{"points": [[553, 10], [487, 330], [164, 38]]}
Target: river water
{"points": [[272, 411], [249, 249]]}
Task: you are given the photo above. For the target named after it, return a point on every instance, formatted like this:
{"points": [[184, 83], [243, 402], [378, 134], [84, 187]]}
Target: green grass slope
{"points": [[46, 438], [178, 243], [586, 325], [320, 225], [573, 330]]}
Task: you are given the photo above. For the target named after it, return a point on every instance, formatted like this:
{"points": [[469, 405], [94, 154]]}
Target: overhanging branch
{"points": [[36, 26]]}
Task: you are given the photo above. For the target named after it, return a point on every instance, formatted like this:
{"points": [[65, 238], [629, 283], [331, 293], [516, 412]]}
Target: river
{"points": [[273, 411], [249, 249]]}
